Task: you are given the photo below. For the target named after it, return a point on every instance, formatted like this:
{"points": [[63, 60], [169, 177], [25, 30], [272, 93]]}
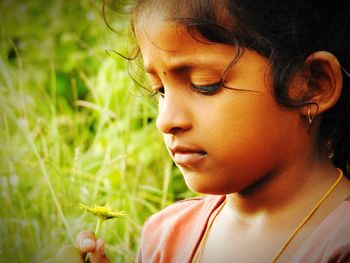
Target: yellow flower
{"points": [[103, 212]]}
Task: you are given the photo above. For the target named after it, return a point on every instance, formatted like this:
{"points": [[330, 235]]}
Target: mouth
{"points": [[186, 156]]}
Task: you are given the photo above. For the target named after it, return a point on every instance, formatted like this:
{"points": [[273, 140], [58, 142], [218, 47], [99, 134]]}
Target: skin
{"points": [[239, 142], [234, 128], [86, 243]]}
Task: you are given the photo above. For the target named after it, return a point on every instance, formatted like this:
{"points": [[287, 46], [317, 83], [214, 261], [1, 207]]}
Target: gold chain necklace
{"points": [[290, 238], [309, 215]]}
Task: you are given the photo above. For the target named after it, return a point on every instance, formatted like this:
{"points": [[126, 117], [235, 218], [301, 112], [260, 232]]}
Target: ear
{"points": [[324, 82]]}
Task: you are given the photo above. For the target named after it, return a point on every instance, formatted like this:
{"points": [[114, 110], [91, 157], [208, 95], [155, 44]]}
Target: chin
{"points": [[218, 182], [208, 188]]}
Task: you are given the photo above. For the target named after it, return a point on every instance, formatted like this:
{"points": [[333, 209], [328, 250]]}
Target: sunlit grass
{"points": [[73, 132]]}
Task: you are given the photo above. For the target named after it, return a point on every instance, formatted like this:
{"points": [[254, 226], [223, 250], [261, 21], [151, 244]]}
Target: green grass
{"points": [[73, 129]]}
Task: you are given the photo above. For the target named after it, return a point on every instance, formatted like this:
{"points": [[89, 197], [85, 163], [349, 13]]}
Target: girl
{"points": [[254, 110]]}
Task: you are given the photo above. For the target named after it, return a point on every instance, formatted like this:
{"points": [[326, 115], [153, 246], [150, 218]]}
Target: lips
{"points": [[185, 156]]}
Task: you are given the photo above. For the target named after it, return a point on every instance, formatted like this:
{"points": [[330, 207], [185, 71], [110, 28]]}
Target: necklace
{"points": [[309, 215], [205, 235], [290, 238]]}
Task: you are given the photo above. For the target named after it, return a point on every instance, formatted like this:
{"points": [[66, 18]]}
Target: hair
{"points": [[286, 32]]}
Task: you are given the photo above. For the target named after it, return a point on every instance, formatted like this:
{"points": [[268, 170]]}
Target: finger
{"points": [[69, 254], [85, 241], [100, 247], [98, 255]]}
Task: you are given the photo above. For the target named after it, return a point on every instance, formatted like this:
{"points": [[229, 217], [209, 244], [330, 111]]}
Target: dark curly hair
{"points": [[286, 32]]}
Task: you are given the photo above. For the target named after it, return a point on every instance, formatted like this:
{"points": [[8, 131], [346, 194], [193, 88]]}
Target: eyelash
{"points": [[206, 90], [159, 92]]}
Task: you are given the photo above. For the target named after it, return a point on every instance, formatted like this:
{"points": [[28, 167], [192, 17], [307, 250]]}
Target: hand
{"points": [[86, 244]]}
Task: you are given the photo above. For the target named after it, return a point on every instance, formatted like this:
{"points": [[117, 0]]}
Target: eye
{"points": [[207, 89], [158, 92]]}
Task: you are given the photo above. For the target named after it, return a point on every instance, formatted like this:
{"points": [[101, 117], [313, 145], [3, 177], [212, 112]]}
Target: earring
{"points": [[309, 117], [345, 71]]}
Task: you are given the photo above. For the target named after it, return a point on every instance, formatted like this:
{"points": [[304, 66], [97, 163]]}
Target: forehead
{"points": [[161, 39], [163, 33]]}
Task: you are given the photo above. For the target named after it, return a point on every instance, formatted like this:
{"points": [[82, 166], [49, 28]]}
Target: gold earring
{"points": [[309, 117]]}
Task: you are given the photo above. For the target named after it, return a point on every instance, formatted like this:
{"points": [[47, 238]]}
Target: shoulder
{"points": [[181, 214], [330, 242], [187, 208], [337, 226], [174, 231]]}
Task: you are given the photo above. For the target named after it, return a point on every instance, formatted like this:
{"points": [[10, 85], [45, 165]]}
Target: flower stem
{"points": [[99, 226]]}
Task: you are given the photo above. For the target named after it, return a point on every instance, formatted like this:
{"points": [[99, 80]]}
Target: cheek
{"points": [[248, 136], [244, 148]]}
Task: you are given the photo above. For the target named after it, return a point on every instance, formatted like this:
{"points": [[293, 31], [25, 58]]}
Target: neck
{"points": [[284, 190]]}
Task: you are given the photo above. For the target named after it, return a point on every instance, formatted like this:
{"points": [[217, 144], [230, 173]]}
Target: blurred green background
{"points": [[74, 129]]}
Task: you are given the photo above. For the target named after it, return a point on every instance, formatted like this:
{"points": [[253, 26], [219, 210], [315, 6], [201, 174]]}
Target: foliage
{"points": [[73, 128]]}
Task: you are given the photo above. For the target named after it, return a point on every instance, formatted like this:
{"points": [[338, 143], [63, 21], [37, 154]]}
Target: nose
{"points": [[174, 114]]}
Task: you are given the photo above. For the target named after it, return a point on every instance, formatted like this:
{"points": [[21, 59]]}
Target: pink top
{"points": [[173, 234]]}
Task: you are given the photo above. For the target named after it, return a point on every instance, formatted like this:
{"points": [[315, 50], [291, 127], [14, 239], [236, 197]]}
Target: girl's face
{"points": [[223, 140]]}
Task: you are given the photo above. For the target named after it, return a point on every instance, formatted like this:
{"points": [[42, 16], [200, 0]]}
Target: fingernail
{"points": [[86, 243]]}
